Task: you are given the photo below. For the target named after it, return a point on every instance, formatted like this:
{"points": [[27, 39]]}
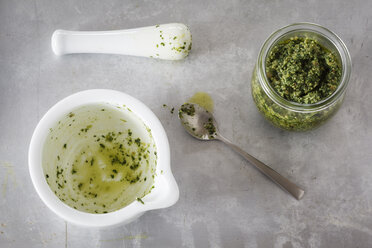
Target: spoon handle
{"points": [[283, 182]]}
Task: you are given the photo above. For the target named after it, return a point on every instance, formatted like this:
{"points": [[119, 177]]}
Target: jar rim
{"points": [[319, 30]]}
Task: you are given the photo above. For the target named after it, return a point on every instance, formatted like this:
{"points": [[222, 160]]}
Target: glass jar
{"points": [[290, 115]]}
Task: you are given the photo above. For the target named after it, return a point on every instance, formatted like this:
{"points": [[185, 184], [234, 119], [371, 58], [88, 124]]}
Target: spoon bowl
{"points": [[198, 122]]}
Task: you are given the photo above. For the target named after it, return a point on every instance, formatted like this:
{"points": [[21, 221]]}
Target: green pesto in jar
{"points": [[301, 70]]}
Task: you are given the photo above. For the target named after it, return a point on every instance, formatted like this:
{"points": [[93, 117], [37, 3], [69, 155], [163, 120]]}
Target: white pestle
{"points": [[166, 41]]}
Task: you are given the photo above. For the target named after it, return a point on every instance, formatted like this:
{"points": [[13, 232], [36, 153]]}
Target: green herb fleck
{"points": [[140, 200], [188, 109], [209, 126], [138, 141], [85, 129], [109, 137], [134, 166]]}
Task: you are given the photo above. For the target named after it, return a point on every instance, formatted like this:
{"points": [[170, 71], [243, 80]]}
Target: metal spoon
{"points": [[200, 123]]}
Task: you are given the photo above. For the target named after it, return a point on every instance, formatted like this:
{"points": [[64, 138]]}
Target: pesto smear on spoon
{"points": [[302, 70]]}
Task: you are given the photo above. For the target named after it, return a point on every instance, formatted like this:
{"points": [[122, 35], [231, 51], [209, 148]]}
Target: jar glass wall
{"points": [[292, 115]]}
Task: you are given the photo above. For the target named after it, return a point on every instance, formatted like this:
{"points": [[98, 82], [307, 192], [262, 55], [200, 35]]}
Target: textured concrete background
{"points": [[224, 202]]}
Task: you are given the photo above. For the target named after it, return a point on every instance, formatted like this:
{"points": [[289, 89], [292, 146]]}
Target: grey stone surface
{"points": [[224, 202]]}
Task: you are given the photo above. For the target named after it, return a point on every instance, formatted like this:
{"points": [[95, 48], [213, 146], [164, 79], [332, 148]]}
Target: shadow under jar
{"points": [[291, 115]]}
